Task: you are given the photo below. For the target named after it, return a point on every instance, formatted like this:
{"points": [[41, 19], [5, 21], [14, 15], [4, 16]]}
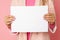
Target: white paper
{"points": [[29, 18]]}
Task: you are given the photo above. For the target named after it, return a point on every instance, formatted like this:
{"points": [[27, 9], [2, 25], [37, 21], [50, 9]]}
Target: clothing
{"points": [[40, 36], [22, 36], [33, 36]]}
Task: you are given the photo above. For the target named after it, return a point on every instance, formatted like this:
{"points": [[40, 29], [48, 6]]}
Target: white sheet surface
{"points": [[29, 18]]}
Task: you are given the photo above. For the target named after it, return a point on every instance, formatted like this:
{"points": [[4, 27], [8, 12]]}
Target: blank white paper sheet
{"points": [[29, 18]]}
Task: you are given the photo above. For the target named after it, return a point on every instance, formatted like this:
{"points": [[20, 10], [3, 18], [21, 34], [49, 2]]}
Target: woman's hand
{"points": [[50, 17], [8, 20]]}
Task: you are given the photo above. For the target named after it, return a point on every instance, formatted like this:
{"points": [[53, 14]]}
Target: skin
{"points": [[8, 21], [50, 18]]}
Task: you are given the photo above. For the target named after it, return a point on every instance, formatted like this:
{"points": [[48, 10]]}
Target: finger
{"points": [[8, 23], [10, 18], [49, 17], [7, 17], [49, 14], [51, 20]]}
